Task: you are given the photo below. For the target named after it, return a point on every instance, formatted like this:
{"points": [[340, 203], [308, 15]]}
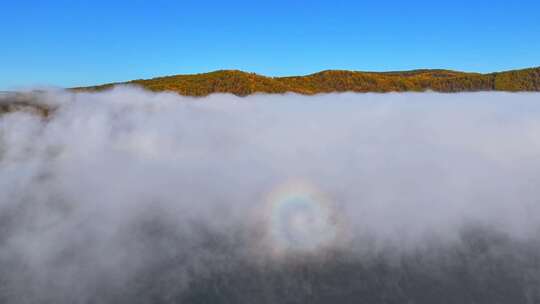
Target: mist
{"points": [[128, 196]]}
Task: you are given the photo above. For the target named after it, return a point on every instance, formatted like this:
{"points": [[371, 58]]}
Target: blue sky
{"points": [[70, 42]]}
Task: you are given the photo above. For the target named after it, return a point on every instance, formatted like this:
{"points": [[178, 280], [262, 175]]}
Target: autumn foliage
{"points": [[242, 83]]}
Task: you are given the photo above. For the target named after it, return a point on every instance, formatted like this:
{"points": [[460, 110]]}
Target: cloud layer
{"points": [[129, 194]]}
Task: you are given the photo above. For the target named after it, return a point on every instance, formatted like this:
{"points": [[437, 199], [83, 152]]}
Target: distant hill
{"points": [[242, 83], [25, 102]]}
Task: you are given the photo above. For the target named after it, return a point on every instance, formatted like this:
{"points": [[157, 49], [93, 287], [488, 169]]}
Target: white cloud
{"points": [[395, 167]]}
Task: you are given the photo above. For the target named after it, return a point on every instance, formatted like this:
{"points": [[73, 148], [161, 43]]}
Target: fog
{"points": [[132, 196]]}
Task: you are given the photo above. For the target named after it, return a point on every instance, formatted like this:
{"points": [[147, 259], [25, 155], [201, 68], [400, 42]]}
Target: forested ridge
{"points": [[243, 83]]}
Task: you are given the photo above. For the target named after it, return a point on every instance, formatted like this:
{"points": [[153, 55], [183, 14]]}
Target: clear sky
{"points": [[77, 42]]}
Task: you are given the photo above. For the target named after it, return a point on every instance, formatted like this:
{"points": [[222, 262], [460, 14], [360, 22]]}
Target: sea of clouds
{"points": [[132, 196]]}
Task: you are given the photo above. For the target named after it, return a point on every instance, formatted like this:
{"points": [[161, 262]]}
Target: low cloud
{"points": [[128, 194]]}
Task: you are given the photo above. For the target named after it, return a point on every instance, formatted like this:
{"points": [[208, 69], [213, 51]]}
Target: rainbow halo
{"points": [[299, 219]]}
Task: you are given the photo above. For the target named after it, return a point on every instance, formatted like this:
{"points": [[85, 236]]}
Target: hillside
{"points": [[23, 102], [242, 83]]}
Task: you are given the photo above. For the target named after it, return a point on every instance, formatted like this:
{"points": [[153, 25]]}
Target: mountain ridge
{"points": [[243, 83]]}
